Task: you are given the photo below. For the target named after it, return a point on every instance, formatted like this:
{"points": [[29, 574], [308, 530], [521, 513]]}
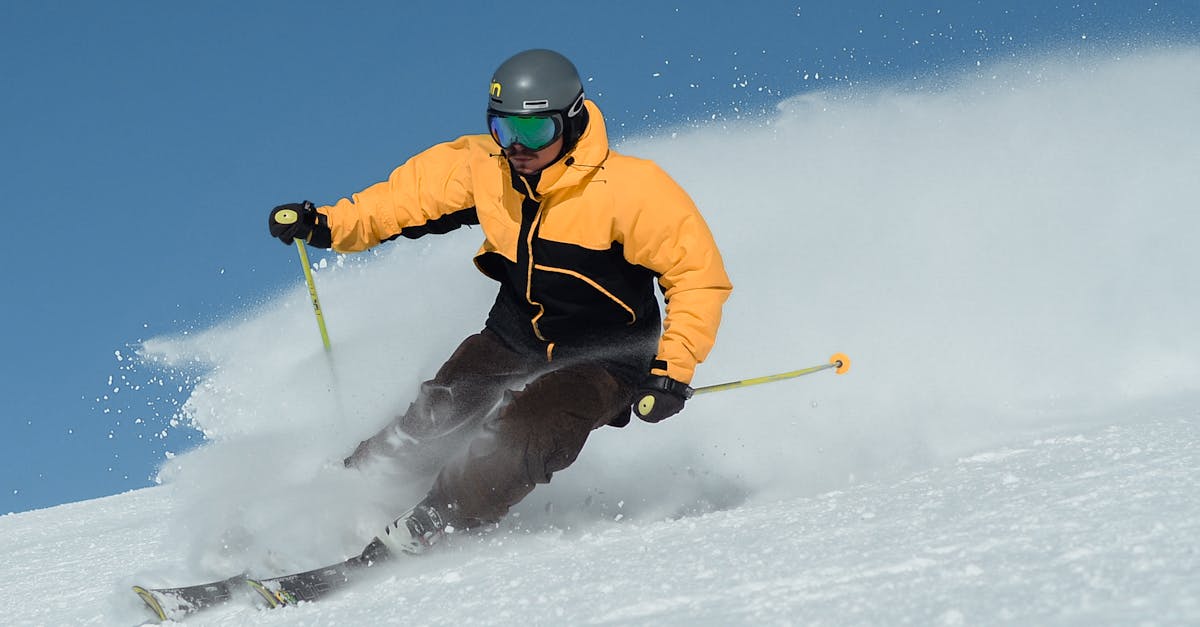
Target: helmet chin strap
{"points": [[562, 152]]}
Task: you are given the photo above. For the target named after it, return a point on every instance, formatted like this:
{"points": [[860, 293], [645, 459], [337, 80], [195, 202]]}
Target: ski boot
{"points": [[413, 533]]}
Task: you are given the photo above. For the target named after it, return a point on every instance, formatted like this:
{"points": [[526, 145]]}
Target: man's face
{"points": [[526, 161]]}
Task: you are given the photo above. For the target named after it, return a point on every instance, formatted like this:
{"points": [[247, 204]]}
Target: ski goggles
{"points": [[531, 131]]}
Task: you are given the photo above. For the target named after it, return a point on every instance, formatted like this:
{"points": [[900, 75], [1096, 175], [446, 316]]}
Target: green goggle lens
{"points": [[532, 132]]}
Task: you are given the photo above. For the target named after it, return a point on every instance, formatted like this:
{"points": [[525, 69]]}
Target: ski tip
{"points": [[151, 602], [841, 362]]}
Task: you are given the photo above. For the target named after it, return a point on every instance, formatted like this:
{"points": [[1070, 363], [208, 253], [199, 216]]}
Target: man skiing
{"points": [[575, 234]]}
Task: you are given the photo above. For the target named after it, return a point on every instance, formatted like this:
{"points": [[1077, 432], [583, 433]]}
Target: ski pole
{"points": [[316, 302], [839, 362], [312, 292]]}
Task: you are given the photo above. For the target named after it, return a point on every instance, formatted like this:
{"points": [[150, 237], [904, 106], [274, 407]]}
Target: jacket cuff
{"points": [[665, 368], [321, 236]]}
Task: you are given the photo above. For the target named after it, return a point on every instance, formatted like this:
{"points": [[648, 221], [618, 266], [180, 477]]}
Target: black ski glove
{"points": [[300, 221], [660, 397]]}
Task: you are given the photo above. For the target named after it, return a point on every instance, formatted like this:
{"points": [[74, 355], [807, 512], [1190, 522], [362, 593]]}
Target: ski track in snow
{"points": [[1015, 444]]}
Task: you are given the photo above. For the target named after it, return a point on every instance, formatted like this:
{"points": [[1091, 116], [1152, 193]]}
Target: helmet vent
{"points": [[537, 104]]}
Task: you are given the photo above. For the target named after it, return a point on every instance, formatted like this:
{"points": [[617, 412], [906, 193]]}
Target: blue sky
{"points": [[144, 142]]}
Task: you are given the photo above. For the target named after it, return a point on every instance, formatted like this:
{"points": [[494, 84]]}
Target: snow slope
{"points": [[1098, 527], [1009, 260]]}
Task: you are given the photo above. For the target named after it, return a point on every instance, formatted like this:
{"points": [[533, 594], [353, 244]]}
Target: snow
{"points": [[1007, 260], [1076, 537]]}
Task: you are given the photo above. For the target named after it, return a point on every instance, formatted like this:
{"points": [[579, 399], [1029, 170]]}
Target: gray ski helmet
{"points": [[540, 82]]}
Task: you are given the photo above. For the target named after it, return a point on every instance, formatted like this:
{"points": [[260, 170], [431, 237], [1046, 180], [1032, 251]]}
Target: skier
{"points": [[575, 234]]}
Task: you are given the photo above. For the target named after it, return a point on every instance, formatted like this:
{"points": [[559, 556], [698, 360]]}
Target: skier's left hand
{"points": [[660, 397]]}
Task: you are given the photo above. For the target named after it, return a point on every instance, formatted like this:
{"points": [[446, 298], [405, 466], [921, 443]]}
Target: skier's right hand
{"points": [[299, 221], [660, 397]]}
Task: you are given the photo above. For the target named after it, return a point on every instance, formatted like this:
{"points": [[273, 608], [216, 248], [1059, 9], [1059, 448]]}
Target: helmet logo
{"points": [[576, 106], [495, 90]]}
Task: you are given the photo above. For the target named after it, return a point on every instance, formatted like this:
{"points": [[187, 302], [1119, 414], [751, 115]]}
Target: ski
{"points": [[173, 603], [177, 603], [309, 585]]}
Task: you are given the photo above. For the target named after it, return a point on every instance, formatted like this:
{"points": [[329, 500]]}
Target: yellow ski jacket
{"points": [[575, 248]]}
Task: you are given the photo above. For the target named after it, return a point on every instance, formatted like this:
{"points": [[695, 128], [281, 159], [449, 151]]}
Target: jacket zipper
{"points": [[531, 194]]}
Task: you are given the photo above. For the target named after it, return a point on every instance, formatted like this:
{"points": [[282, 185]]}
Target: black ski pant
{"points": [[493, 423]]}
